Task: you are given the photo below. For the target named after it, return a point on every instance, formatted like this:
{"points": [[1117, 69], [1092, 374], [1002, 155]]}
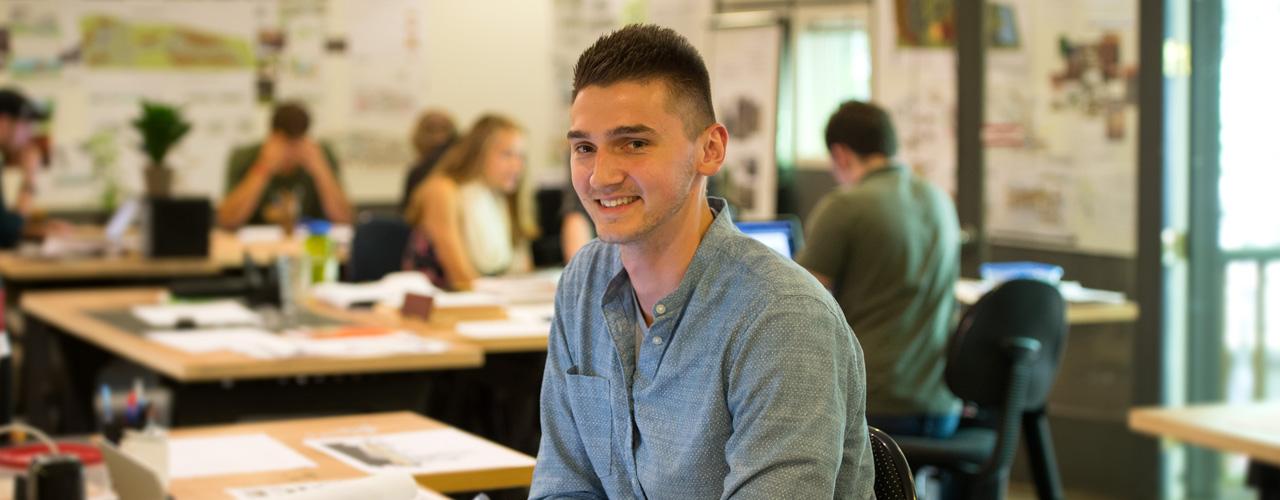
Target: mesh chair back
{"points": [[893, 475], [977, 360], [377, 247]]}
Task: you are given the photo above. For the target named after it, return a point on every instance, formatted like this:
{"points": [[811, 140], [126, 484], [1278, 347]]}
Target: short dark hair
{"points": [[644, 52], [863, 127], [15, 105], [290, 119]]}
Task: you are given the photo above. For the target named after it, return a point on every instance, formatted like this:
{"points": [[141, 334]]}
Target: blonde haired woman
{"points": [[472, 214]]}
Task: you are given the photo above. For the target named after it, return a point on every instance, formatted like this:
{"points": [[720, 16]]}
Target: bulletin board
{"points": [[224, 63]]}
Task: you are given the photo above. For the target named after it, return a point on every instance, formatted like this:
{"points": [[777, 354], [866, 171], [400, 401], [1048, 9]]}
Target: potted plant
{"points": [[161, 127]]}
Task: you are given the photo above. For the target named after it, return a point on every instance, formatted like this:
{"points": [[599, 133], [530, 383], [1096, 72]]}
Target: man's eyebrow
{"points": [[631, 130], [614, 132]]}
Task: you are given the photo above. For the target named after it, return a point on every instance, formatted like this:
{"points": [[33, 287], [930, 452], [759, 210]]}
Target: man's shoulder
{"points": [[746, 264]]}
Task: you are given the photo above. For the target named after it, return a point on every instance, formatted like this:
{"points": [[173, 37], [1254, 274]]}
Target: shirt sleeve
{"points": [[797, 398], [827, 239], [563, 469]]}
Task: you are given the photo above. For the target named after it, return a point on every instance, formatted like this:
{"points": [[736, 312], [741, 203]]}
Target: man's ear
{"points": [[712, 145]]}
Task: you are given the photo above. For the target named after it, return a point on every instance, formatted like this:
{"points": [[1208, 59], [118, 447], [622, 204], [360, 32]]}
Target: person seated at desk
{"points": [[685, 360], [887, 244], [432, 136], [283, 178], [471, 215], [18, 118]]}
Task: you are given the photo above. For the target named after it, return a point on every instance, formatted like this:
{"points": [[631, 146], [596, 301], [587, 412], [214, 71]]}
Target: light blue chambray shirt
{"points": [[749, 385]]}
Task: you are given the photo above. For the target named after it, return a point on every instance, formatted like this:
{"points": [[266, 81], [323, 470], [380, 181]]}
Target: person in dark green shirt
{"points": [[285, 178], [887, 244]]}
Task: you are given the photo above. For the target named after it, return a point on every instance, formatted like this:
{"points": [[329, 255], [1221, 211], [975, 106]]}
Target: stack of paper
{"points": [[262, 344], [388, 292], [385, 343], [215, 313]]}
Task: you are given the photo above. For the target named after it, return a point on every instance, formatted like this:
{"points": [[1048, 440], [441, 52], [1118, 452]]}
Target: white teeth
{"points": [[617, 202]]}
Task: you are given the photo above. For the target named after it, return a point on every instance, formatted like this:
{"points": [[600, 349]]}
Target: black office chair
{"points": [[1003, 357], [893, 475], [377, 247]]}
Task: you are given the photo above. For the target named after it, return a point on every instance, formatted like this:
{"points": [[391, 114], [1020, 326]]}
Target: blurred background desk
{"points": [[293, 432], [67, 337]]}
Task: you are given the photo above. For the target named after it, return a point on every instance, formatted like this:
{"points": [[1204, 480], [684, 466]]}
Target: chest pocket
{"points": [[589, 399]]}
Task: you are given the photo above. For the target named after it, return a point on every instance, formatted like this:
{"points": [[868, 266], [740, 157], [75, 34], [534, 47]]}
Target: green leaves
{"points": [[161, 126]]}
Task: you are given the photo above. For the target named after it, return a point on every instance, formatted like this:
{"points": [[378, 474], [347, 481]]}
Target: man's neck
{"points": [[657, 264]]}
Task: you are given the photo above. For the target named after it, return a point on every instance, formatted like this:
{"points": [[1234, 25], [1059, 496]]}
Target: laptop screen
{"points": [[774, 234]]}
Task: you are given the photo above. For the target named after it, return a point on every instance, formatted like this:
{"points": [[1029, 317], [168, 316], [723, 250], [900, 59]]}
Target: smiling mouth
{"points": [[617, 202]]}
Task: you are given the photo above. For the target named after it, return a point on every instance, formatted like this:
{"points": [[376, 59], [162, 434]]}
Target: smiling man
{"points": [[686, 360]]}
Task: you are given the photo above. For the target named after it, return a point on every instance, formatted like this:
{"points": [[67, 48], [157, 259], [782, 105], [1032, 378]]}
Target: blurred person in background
{"points": [[473, 215], [286, 177], [432, 136], [19, 119]]}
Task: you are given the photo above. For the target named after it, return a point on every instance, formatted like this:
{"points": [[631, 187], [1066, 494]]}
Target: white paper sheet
{"points": [[251, 342], [503, 329], [522, 289], [420, 452], [261, 344], [216, 313], [532, 312], [398, 342], [236, 454], [389, 291], [467, 299], [382, 486]]}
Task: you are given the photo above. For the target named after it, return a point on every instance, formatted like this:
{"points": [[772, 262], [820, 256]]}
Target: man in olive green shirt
{"points": [[285, 178], [887, 245]]}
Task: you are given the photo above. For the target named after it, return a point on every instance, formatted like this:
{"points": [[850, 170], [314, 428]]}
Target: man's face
{"points": [[632, 164]]}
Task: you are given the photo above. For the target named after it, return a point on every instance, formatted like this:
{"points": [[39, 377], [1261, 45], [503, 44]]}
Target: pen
{"points": [[106, 404]]}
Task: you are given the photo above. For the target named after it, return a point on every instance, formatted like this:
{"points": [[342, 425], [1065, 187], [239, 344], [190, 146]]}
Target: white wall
{"points": [[495, 56]]}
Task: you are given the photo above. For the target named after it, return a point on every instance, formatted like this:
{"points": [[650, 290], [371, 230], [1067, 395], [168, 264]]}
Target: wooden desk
{"points": [[1251, 429], [70, 312], [293, 432], [442, 323], [1078, 313], [90, 342], [226, 252]]}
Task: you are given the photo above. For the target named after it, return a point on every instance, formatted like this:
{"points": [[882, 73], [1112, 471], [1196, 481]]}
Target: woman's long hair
{"points": [[464, 162]]}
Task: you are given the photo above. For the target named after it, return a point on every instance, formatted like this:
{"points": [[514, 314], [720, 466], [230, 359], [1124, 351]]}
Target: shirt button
{"points": [[657, 341], [661, 309]]}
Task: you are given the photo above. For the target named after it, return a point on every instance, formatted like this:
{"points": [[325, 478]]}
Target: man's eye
{"points": [[636, 145], [583, 149]]}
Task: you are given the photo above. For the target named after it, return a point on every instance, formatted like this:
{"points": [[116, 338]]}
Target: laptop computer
{"points": [[783, 236]]}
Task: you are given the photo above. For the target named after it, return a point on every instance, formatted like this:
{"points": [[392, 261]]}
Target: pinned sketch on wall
{"points": [[1060, 136], [108, 41], [931, 23], [743, 63], [384, 92], [919, 88]]}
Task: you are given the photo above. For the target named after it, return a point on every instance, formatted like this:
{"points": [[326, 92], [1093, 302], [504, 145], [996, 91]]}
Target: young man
{"points": [[18, 117], [286, 177], [685, 360], [887, 244]]}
